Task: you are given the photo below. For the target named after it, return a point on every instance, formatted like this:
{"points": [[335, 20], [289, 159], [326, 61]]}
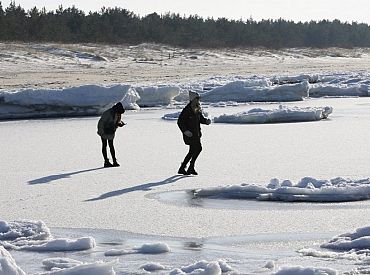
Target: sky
{"points": [[296, 10]]}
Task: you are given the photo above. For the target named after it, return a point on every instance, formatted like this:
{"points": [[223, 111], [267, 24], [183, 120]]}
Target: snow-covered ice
{"points": [[307, 189], [282, 114], [90, 100], [128, 199]]}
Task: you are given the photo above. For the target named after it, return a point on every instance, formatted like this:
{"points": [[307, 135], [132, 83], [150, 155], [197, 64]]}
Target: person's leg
{"points": [[185, 161], [104, 149], [104, 152], [112, 152], [196, 149]]}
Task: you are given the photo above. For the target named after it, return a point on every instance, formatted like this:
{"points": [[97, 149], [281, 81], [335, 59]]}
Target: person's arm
{"points": [[120, 123], [204, 120]]}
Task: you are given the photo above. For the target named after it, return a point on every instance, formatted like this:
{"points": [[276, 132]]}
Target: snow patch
{"points": [[308, 189]]}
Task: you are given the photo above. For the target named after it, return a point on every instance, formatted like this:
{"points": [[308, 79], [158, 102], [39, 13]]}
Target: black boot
{"points": [[115, 163], [182, 169], [191, 170], [107, 163]]}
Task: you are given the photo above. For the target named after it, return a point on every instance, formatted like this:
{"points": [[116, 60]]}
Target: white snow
{"points": [[116, 252], [153, 96], [307, 189], [7, 264], [23, 230], [153, 248], [204, 268], [99, 268], [282, 114], [360, 239], [299, 270], [242, 91], [36, 236], [326, 90], [151, 267], [61, 263], [219, 92], [60, 244]]}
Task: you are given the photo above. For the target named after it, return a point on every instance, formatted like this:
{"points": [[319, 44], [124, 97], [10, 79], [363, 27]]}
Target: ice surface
{"points": [[52, 171]]}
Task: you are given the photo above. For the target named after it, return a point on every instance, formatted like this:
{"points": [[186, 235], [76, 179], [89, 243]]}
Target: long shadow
{"points": [[142, 187], [51, 178]]}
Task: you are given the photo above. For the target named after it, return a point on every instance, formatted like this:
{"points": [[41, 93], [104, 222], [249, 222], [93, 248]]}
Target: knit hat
{"points": [[118, 108], [193, 95]]}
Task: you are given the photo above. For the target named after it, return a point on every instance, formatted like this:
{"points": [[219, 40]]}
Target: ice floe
{"points": [[242, 91], [98, 268], [308, 189], [352, 246], [282, 114], [8, 266], [151, 267], [61, 263], [358, 240], [153, 96], [36, 236], [299, 270], [204, 267], [155, 248], [217, 92]]}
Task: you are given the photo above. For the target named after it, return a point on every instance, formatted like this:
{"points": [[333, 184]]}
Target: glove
{"points": [[188, 133], [120, 124], [208, 121]]}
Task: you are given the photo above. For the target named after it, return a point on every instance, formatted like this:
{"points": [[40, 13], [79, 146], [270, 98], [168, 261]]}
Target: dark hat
{"points": [[118, 108], [193, 95]]}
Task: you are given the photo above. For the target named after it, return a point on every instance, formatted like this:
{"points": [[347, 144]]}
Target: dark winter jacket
{"points": [[108, 123], [188, 120]]}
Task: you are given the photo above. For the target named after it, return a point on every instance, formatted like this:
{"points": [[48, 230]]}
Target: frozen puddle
{"points": [[187, 198]]}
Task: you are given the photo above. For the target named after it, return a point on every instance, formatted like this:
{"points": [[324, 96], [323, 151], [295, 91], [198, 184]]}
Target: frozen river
{"points": [[51, 170]]}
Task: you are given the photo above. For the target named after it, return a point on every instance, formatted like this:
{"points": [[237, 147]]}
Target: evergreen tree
{"points": [[117, 25]]}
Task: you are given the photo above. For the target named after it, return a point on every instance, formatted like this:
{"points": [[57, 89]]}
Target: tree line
{"points": [[118, 26]]}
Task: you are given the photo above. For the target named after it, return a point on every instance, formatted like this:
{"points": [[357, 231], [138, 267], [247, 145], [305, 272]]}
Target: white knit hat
{"points": [[193, 95]]}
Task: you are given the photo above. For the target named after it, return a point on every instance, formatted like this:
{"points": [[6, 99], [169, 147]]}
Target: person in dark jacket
{"points": [[189, 123], [108, 123]]}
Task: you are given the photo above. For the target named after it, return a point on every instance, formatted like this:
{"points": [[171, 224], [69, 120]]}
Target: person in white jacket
{"points": [[108, 123]]}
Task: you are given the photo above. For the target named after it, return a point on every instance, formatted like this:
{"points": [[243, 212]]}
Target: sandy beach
{"points": [[28, 65]]}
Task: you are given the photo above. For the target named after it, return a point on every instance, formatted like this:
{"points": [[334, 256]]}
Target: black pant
{"points": [[194, 150], [111, 148]]}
